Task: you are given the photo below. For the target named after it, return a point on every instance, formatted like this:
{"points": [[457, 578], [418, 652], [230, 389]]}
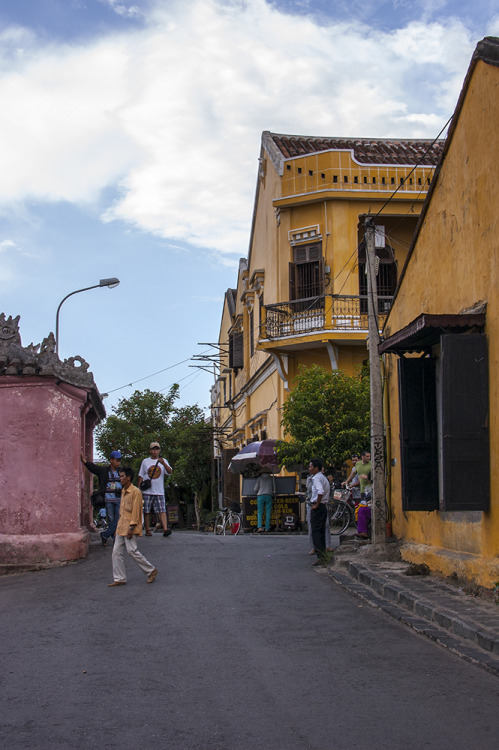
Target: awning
{"points": [[425, 331]]}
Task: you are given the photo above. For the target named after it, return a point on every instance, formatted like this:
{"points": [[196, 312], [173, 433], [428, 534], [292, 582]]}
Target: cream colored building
{"points": [[300, 297]]}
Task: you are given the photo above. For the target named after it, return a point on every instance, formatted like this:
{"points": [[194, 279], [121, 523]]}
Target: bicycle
{"points": [[341, 511], [227, 520]]}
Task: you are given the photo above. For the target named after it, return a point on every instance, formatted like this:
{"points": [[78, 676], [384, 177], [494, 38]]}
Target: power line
{"points": [[402, 216], [129, 385], [415, 166]]}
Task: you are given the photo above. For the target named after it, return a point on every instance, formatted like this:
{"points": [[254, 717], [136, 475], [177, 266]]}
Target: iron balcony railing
{"points": [[327, 312]]}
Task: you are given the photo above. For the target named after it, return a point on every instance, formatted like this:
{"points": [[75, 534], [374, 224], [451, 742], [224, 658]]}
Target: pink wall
{"points": [[44, 428]]}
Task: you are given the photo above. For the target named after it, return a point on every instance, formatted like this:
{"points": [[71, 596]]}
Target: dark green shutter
{"points": [[418, 434], [465, 422]]}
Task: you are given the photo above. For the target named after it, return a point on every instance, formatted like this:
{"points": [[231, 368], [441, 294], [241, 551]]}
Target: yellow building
{"points": [[441, 350], [301, 293]]}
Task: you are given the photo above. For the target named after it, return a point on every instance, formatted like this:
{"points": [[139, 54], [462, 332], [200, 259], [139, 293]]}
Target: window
{"points": [[252, 333], [306, 273], [445, 450]]}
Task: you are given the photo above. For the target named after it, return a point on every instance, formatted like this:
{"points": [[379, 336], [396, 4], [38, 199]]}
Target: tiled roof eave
{"points": [[364, 151]]}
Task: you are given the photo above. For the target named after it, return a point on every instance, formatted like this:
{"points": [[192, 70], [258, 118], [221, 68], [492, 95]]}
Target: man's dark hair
{"points": [[364, 453], [127, 471], [355, 455], [316, 462]]}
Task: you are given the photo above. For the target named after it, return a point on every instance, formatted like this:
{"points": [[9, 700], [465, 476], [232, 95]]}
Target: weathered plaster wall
{"points": [[454, 265], [41, 480]]}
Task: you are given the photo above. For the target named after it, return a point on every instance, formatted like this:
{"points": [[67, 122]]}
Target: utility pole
{"points": [[378, 515]]}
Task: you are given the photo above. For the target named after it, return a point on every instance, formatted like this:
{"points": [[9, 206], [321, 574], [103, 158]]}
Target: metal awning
{"points": [[425, 331]]}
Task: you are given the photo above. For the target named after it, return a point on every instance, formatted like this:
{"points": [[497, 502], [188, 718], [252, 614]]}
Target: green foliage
{"points": [[327, 415], [191, 450], [182, 432], [137, 421]]}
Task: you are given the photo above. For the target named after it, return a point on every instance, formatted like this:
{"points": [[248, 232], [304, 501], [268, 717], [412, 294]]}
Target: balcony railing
{"points": [[327, 312]]}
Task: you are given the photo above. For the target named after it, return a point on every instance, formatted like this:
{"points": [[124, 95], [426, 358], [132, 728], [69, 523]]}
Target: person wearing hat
{"points": [[155, 468], [110, 485]]}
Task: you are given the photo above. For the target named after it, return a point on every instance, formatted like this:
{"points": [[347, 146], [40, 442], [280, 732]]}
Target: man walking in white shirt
{"points": [[155, 468]]}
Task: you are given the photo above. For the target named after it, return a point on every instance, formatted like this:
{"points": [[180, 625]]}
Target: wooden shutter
{"points": [[236, 350], [321, 277], [307, 253], [418, 434], [292, 281], [465, 422]]}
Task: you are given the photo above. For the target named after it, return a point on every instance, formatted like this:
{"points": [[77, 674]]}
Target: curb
{"points": [[459, 634]]}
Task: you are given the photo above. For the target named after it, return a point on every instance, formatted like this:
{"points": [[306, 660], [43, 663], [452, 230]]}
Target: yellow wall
{"points": [[455, 265], [285, 204]]}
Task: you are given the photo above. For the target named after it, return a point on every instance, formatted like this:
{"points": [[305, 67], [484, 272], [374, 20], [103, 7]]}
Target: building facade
{"points": [[441, 350], [49, 411], [301, 295]]}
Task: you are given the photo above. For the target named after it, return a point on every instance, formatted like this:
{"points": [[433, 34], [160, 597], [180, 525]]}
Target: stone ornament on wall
{"points": [[39, 359]]}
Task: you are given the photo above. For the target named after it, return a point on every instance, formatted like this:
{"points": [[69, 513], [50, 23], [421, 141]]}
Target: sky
{"points": [[129, 141]]}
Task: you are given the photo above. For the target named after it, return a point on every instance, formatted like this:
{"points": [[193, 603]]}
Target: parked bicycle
{"points": [[341, 511], [228, 521]]}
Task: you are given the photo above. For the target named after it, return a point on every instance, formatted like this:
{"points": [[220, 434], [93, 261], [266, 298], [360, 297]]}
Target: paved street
{"points": [[238, 644]]}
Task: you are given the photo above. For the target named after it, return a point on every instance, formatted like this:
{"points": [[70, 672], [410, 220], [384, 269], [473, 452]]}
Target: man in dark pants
{"points": [[318, 512], [110, 485]]}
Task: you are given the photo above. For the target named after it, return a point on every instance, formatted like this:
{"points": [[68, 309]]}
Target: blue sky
{"points": [[129, 139]]}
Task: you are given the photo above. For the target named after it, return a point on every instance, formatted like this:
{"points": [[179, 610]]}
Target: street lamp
{"points": [[110, 283]]}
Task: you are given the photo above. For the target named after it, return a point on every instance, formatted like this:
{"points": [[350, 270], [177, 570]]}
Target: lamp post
{"points": [[110, 283]]}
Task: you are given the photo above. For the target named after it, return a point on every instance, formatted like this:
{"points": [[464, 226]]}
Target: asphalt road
{"points": [[239, 643]]}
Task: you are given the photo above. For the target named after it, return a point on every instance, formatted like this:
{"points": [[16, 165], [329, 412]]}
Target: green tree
{"points": [[192, 451], [327, 415], [184, 435], [137, 421]]}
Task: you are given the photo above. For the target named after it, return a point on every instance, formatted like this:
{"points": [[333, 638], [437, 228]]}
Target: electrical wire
{"points": [[415, 166], [402, 216], [146, 377], [313, 302]]}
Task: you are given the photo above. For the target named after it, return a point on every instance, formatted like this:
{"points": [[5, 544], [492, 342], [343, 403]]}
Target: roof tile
{"points": [[366, 150]]}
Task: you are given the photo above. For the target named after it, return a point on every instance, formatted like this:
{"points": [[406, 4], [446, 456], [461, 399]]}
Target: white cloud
{"points": [[6, 245], [173, 113], [129, 11]]}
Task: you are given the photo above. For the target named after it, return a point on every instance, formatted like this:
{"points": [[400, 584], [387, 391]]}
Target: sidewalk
{"points": [[466, 625]]}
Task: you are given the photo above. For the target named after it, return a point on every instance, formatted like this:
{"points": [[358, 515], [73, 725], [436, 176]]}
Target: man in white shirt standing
{"points": [[155, 468], [318, 511]]}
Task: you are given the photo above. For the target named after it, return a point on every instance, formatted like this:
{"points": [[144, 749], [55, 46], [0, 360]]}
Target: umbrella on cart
{"points": [[256, 458]]}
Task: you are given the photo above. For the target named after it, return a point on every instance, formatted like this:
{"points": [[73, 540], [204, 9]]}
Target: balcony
{"points": [[329, 312]]}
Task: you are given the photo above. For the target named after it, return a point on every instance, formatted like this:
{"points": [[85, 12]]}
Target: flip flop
{"points": [[148, 533]]}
